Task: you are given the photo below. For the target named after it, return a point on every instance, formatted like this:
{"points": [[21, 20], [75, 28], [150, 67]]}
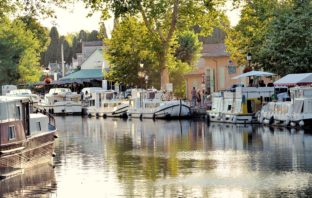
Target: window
{"points": [[12, 133], [18, 112], [38, 126]]}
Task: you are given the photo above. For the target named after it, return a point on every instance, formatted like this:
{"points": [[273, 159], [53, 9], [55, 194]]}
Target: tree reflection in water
{"points": [[114, 157]]}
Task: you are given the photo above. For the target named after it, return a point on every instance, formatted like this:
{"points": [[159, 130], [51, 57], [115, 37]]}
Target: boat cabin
{"points": [[14, 119]]}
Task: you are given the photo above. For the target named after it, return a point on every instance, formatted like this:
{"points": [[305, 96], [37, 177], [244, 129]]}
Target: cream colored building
{"points": [[214, 71]]}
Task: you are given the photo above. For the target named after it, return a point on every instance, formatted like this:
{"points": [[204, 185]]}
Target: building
{"points": [[87, 48], [215, 70], [93, 63]]}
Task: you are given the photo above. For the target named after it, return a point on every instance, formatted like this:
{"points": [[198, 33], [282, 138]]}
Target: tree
{"points": [[129, 47], [53, 53], [41, 33], [93, 36], [189, 47], [163, 19], [288, 44], [249, 34], [19, 53]]}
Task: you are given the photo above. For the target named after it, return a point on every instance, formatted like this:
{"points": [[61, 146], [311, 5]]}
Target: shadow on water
{"points": [[181, 158]]}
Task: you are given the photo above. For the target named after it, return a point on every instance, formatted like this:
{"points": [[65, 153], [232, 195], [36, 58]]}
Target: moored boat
{"points": [[239, 105], [153, 104], [295, 113], [34, 99], [26, 139], [105, 103], [61, 101]]}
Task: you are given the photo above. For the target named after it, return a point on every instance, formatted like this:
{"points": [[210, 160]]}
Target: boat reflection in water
{"points": [[34, 182], [114, 157]]}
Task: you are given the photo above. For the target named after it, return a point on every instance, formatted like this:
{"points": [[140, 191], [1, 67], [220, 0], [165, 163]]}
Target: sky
{"points": [[74, 19]]}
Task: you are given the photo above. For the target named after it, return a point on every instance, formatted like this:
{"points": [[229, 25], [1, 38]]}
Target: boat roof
{"points": [[59, 90], [20, 91], [4, 99]]}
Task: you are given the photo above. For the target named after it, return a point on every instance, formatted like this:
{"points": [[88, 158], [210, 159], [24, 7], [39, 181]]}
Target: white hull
{"points": [[61, 108], [230, 118], [118, 111], [168, 109]]}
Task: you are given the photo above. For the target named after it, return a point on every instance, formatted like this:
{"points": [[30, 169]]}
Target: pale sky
{"points": [[74, 19]]}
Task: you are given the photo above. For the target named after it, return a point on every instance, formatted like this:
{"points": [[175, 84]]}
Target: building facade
{"points": [[214, 71]]}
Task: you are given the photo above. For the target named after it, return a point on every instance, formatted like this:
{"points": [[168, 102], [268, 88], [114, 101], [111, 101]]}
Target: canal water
{"points": [[133, 158]]}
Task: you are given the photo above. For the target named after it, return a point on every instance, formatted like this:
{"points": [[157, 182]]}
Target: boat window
{"points": [[109, 96], [18, 112], [38, 126], [229, 107], [12, 133]]}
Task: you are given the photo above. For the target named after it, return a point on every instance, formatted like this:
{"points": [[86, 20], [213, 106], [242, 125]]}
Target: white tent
{"points": [[253, 73], [295, 79]]}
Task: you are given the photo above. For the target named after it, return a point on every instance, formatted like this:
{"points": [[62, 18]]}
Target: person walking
{"points": [[198, 98]]}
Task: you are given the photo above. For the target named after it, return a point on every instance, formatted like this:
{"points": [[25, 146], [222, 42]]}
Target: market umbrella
{"points": [[253, 73]]}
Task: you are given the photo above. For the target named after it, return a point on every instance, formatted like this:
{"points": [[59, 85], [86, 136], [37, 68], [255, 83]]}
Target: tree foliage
{"points": [[276, 33], [288, 44], [72, 44], [251, 30], [129, 47], [19, 53]]}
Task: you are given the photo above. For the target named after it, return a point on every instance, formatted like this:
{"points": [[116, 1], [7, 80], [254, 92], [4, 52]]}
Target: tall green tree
{"points": [[53, 53], [93, 36], [249, 34], [129, 47], [288, 44], [19, 53], [163, 19]]}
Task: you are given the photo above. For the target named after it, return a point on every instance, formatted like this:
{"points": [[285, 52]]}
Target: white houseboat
{"points": [[153, 104], [106, 103], [26, 139], [61, 101], [239, 105], [34, 99], [296, 112]]}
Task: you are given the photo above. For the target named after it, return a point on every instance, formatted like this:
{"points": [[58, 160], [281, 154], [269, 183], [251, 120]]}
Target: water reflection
{"points": [[35, 182], [114, 157]]}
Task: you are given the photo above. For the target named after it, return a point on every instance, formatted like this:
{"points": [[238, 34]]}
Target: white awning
{"points": [[253, 73]]}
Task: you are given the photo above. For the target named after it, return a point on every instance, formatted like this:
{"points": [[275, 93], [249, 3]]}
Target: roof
{"points": [[93, 43], [214, 50], [99, 51], [4, 99], [85, 74], [295, 79]]}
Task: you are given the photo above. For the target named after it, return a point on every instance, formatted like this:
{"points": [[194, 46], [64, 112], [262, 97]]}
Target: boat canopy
{"points": [[253, 73], [295, 79]]}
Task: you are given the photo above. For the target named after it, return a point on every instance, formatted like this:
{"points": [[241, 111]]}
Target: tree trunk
{"points": [[164, 71]]}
